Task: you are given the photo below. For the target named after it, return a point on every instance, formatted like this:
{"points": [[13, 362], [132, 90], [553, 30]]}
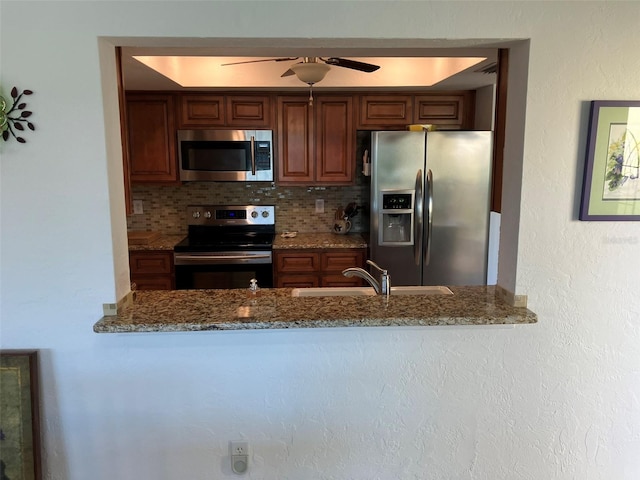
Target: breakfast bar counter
{"points": [[205, 310]]}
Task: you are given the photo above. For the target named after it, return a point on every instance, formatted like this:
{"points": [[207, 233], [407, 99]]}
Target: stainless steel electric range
{"points": [[226, 247]]}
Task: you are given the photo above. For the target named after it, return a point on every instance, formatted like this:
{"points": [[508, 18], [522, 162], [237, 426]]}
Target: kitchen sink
{"points": [[333, 292], [421, 290], [369, 291]]}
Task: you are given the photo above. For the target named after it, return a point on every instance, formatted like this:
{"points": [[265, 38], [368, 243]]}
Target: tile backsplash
{"points": [[164, 207]]}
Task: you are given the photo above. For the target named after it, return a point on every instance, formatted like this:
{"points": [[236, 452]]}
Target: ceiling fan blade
{"points": [[288, 73], [262, 60], [353, 64]]}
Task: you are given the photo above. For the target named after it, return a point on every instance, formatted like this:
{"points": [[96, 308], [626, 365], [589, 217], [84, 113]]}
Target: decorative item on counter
{"points": [[366, 164], [8, 123], [289, 234], [254, 289], [342, 224]]}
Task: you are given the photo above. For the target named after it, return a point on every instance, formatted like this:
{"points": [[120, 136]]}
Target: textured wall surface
{"points": [[556, 400]]}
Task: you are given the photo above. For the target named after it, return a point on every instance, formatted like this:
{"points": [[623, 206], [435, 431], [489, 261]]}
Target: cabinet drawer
{"points": [[153, 282], [338, 261], [297, 281], [151, 262], [297, 262]]}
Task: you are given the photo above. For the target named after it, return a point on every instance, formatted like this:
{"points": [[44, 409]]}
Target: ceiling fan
{"points": [[311, 70]]}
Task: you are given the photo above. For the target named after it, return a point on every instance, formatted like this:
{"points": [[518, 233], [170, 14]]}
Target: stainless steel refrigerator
{"points": [[430, 202]]}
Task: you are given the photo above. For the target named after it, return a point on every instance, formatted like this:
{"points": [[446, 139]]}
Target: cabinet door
{"points": [[151, 262], [152, 143], [334, 139], [336, 280], [297, 262], [152, 270], [384, 111], [249, 111], [295, 141], [446, 111], [201, 111], [333, 262], [337, 261]]}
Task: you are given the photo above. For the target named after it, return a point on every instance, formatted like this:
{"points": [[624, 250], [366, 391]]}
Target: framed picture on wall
{"points": [[611, 186], [19, 416]]}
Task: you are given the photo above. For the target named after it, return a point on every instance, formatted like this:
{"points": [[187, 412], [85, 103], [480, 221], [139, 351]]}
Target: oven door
{"points": [[223, 270]]}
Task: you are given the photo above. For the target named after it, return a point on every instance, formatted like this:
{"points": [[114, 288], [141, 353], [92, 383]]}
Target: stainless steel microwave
{"points": [[226, 155]]}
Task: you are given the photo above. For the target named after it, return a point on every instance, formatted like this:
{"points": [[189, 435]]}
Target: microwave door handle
{"points": [[253, 155]]}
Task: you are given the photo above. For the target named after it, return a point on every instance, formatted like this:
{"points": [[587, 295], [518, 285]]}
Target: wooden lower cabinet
{"points": [[152, 270], [316, 267]]}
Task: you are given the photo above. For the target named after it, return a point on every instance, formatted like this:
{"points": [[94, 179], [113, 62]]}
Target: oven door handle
{"points": [[180, 259]]}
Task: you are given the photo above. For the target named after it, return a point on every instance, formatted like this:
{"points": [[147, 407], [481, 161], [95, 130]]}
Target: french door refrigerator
{"points": [[430, 202]]}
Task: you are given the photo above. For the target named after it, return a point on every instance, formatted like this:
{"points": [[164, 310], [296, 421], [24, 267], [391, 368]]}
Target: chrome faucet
{"points": [[382, 288]]}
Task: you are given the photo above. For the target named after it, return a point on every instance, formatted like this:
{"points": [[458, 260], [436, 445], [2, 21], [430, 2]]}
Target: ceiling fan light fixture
{"points": [[311, 72]]}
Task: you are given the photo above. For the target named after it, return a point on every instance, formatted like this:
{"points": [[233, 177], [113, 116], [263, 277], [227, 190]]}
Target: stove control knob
{"points": [[265, 214], [196, 214], [254, 214], [207, 214]]}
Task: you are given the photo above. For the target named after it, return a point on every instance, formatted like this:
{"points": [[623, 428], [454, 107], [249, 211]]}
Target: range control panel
{"points": [[231, 215]]}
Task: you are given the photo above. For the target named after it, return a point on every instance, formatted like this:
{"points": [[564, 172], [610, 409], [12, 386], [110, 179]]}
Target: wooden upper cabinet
{"points": [[295, 140], [334, 139], [316, 142], [446, 111], [383, 111], [249, 111], [151, 138], [212, 111], [201, 111]]}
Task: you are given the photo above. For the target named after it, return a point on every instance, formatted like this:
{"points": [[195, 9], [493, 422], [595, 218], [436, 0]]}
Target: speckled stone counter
{"points": [[320, 240], [165, 242], [203, 310]]}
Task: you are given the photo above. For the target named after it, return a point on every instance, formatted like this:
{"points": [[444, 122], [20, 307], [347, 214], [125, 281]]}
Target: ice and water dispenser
{"points": [[396, 217]]}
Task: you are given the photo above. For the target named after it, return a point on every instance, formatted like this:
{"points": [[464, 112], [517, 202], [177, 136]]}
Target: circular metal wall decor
{"points": [[14, 119]]}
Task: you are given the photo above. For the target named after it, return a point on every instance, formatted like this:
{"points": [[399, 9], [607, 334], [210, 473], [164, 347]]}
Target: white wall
{"points": [[557, 400]]}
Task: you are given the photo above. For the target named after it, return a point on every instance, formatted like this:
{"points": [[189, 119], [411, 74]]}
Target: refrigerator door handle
{"points": [[429, 200], [417, 218]]}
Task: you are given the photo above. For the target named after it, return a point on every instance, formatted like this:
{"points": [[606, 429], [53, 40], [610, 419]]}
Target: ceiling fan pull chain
{"points": [[311, 95]]}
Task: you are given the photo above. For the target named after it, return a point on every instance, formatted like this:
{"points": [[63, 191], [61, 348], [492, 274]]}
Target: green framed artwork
{"points": [[611, 186], [19, 416]]}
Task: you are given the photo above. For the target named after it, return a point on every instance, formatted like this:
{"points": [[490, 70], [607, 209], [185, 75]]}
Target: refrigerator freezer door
{"points": [[395, 157], [461, 166]]}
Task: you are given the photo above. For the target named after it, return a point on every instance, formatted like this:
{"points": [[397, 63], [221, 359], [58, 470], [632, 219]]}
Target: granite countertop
{"points": [[203, 310], [320, 240], [164, 242], [302, 240]]}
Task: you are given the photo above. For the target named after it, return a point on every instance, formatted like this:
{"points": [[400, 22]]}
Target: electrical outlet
{"points": [[239, 457], [239, 448], [319, 205], [137, 207]]}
